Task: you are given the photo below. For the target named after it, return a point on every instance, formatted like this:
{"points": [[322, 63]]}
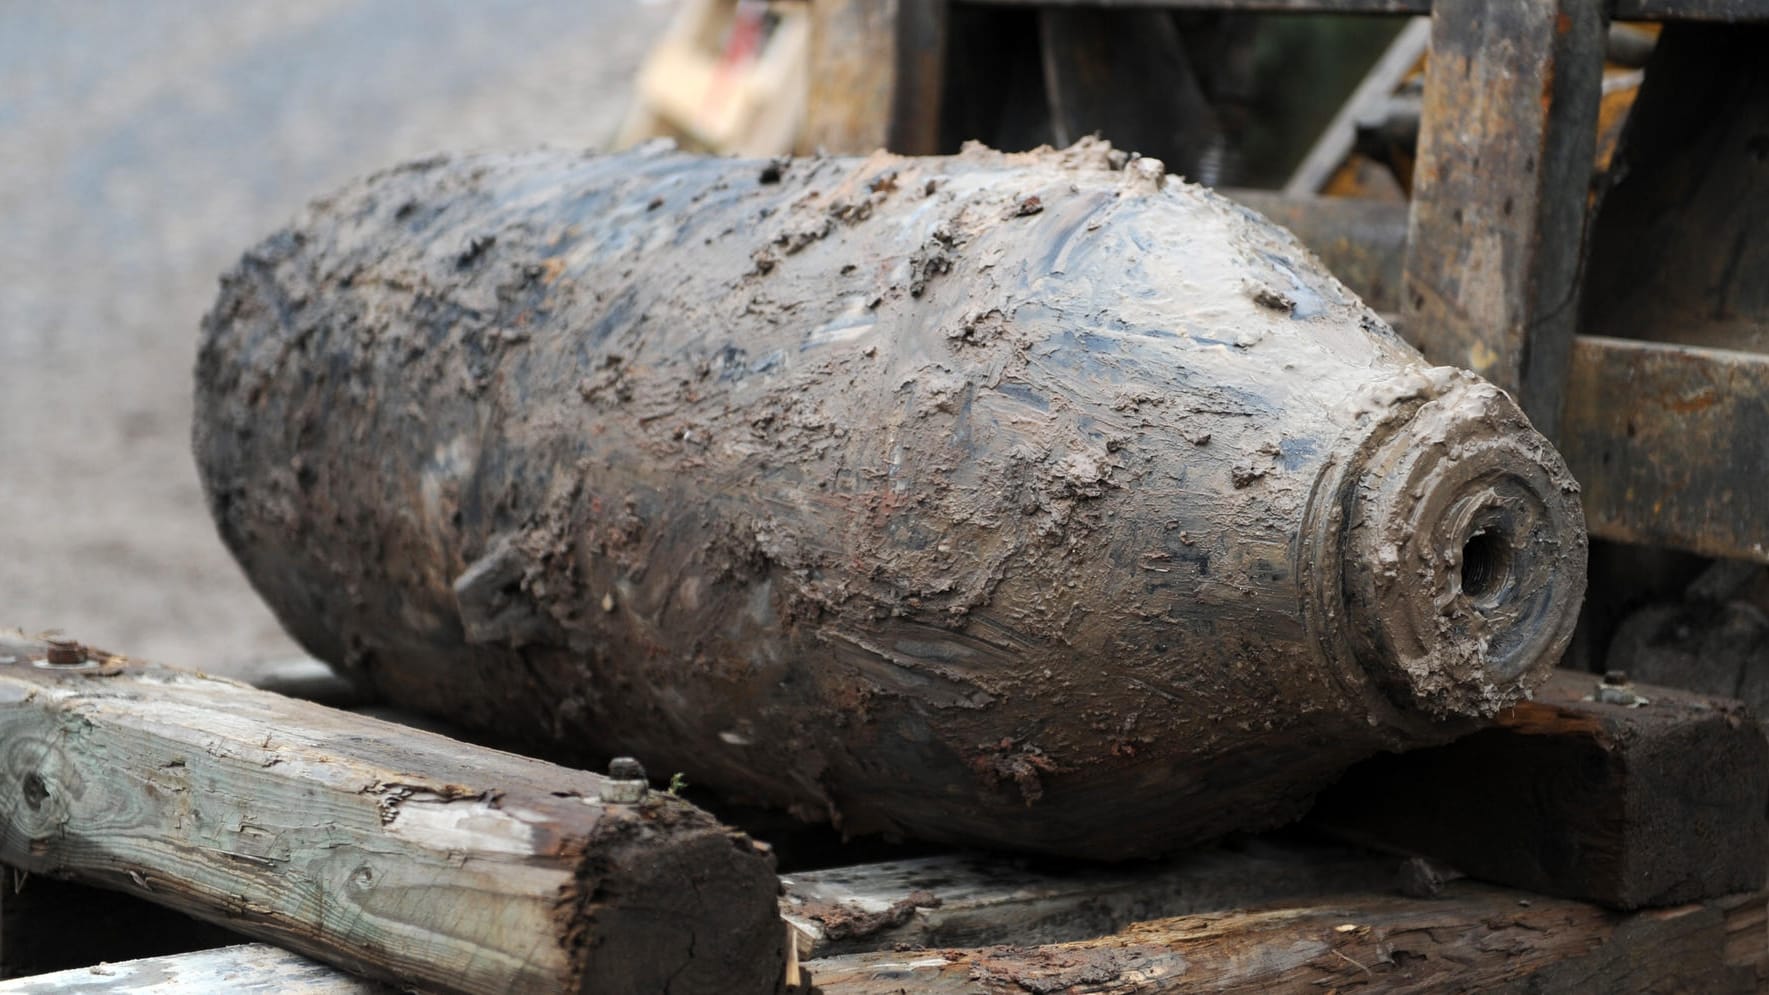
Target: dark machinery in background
{"points": [[1594, 242]]}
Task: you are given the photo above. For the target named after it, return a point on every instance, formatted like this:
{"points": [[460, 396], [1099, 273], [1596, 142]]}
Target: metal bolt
{"points": [[627, 783], [1613, 689], [66, 653]]}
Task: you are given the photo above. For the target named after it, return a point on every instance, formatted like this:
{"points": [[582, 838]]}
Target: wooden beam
{"points": [[1506, 141], [380, 849], [1625, 804], [1670, 444], [877, 76], [249, 967], [1471, 938], [973, 900], [49, 925]]}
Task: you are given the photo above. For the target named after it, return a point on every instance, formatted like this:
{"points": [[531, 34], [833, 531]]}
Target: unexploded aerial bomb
{"points": [[856, 487]]}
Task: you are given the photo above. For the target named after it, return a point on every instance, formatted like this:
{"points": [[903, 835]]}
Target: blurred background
{"points": [[142, 148]]}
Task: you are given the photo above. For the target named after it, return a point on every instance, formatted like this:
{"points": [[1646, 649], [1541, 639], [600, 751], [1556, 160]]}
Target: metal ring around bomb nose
{"points": [[1459, 543]]}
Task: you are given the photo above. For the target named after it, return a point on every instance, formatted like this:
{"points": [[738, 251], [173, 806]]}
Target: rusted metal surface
{"points": [[1499, 191], [1019, 500], [1671, 445]]}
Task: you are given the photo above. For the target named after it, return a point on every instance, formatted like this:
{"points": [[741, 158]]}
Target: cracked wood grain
{"points": [[390, 852]]}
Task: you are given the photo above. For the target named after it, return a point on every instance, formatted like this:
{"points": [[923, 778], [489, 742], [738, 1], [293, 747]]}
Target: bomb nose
{"points": [[1464, 555]]}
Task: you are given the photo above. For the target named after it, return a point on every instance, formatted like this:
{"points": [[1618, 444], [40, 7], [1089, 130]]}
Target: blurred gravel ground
{"points": [[142, 148]]}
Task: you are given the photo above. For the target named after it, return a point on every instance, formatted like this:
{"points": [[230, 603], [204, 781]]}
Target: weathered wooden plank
{"points": [[1727, 11], [1713, 639], [853, 75], [381, 849], [243, 968], [1671, 444], [49, 925], [1625, 804], [1471, 938], [972, 900], [877, 72], [1497, 218]]}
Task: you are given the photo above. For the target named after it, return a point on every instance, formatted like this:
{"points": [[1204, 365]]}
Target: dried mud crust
{"points": [[985, 498]]}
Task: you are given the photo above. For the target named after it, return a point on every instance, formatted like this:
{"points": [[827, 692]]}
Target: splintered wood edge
{"points": [[970, 899], [430, 860], [1473, 937]]}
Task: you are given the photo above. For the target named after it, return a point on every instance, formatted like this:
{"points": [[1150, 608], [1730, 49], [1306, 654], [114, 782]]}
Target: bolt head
{"points": [[66, 653], [626, 769]]}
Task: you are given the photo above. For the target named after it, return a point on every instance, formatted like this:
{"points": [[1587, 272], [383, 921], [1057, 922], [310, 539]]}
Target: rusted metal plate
{"points": [[1506, 142], [1671, 444]]}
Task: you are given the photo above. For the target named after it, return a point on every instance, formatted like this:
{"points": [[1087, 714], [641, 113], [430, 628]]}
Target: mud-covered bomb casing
{"points": [[1038, 501]]}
